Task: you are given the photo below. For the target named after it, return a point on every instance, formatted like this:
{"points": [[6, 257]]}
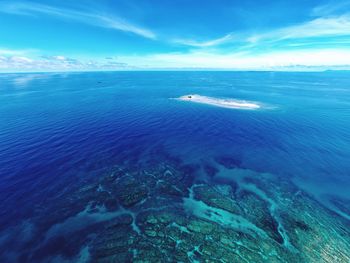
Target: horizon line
{"points": [[179, 70]]}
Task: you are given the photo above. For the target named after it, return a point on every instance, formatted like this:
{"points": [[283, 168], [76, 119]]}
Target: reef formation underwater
{"points": [[163, 210]]}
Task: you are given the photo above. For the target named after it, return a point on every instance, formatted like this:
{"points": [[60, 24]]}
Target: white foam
{"points": [[224, 103]]}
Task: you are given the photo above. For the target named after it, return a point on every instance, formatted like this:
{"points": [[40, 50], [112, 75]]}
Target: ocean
{"points": [[111, 167]]}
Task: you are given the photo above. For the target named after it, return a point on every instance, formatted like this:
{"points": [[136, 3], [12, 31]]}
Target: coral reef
{"points": [[162, 213]]}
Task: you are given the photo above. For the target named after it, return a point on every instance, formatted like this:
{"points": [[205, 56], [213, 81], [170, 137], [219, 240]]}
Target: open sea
{"points": [[110, 167]]}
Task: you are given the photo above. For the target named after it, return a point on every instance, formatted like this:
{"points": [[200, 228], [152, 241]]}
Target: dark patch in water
{"points": [[189, 169], [54, 246], [111, 204], [301, 225], [210, 170], [229, 162], [262, 216], [341, 203]]}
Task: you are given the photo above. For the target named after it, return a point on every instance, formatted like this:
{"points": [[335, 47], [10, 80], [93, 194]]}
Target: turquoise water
{"points": [[62, 135]]}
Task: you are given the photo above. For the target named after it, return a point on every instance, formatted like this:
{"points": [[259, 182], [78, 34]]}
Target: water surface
{"points": [[61, 132]]}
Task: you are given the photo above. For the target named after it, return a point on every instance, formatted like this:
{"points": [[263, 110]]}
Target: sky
{"points": [[56, 35]]}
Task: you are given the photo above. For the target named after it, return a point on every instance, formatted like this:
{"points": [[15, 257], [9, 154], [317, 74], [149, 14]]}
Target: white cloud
{"points": [[209, 43], [16, 59], [16, 52], [271, 60], [87, 17], [281, 60], [59, 57], [16, 63]]}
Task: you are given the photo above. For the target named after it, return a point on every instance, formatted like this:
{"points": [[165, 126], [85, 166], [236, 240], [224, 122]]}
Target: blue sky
{"points": [[60, 35]]}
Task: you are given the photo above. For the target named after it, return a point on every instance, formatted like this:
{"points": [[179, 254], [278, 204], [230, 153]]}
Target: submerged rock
{"points": [[200, 226], [262, 215], [130, 192], [213, 198], [117, 239]]}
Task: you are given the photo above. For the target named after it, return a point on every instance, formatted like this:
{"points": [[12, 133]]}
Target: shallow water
{"points": [[62, 132]]}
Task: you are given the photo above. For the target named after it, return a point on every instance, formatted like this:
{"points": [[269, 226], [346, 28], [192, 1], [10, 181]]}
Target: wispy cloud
{"points": [[331, 8], [86, 17], [208, 43], [320, 27], [317, 28]]}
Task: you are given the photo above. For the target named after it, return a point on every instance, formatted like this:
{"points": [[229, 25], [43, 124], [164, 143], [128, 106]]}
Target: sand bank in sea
{"points": [[224, 103]]}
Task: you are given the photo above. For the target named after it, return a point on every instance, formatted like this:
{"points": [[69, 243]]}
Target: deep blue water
{"points": [[60, 130]]}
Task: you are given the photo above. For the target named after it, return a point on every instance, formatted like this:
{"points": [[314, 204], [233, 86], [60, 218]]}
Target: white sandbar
{"points": [[224, 103]]}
